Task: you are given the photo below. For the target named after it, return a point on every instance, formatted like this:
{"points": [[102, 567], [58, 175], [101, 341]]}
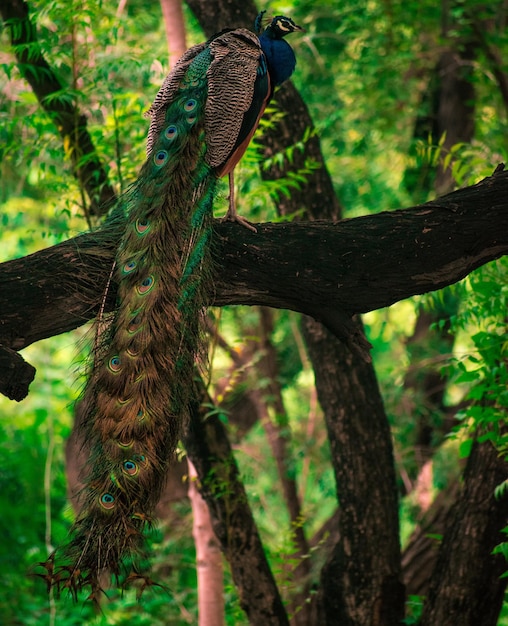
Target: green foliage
{"points": [[414, 608], [483, 318], [363, 69]]}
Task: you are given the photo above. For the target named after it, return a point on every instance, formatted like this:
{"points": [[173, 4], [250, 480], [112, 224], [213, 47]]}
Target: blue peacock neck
{"points": [[280, 57]]}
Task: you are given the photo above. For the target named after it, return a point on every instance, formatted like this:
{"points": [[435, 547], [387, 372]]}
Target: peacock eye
{"points": [[130, 468], [190, 105], [285, 25], [146, 285], [171, 132], [160, 158], [129, 266], [114, 364], [107, 501], [142, 226], [134, 324]]}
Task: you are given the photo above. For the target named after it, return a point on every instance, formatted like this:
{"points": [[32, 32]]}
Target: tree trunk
{"points": [[175, 29], [466, 587], [219, 484], [208, 559], [360, 584]]}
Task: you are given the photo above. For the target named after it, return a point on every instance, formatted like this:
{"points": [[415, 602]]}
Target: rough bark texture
{"points": [[360, 583], [208, 448], [342, 268], [466, 587]]}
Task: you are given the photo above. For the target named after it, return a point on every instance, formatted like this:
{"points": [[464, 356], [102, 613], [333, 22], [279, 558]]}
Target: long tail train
{"points": [[137, 395]]}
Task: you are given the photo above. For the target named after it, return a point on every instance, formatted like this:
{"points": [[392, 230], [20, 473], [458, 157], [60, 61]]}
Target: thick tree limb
{"points": [[15, 374], [328, 270]]}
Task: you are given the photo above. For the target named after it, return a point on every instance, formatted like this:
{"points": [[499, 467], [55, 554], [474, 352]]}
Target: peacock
{"points": [[137, 395]]}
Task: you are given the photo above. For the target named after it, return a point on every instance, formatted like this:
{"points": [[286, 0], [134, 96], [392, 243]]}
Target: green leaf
{"points": [[465, 448]]}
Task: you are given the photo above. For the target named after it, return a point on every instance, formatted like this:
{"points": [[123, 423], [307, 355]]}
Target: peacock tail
{"points": [[137, 396]]}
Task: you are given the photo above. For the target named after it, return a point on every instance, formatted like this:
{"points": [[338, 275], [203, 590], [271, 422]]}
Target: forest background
{"points": [[409, 101]]}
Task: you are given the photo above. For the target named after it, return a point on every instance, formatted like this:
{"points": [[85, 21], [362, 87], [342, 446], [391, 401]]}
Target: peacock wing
{"points": [[166, 94], [238, 89]]}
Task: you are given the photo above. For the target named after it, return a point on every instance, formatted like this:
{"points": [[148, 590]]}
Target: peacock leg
{"points": [[232, 215]]}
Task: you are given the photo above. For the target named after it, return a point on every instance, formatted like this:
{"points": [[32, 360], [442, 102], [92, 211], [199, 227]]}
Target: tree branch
{"points": [[347, 267], [16, 374], [340, 268]]}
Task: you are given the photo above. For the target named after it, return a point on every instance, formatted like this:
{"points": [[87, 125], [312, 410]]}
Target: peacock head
{"points": [[278, 27]]}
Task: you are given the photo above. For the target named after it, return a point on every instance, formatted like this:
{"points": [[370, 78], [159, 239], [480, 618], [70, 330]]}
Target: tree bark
{"points": [[175, 29], [208, 559], [208, 448], [466, 587], [360, 584], [342, 268], [15, 374]]}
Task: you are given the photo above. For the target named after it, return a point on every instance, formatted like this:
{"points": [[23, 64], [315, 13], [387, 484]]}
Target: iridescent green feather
{"points": [[138, 393], [137, 396]]}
